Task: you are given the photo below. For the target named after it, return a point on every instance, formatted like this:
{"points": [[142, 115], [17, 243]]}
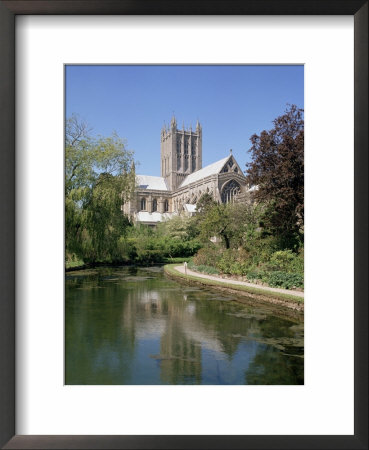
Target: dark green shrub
{"points": [[287, 261], [284, 280], [255, 275]]}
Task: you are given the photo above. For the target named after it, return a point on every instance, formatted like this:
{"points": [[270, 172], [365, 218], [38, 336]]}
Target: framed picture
{"points": [[189, 213], [201, 413]]}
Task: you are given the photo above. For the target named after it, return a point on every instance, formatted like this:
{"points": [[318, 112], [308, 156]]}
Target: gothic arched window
{"points": [[230, 191], [186, 162], [166, 206], [154, 205], [179, 143], [143, 204]]}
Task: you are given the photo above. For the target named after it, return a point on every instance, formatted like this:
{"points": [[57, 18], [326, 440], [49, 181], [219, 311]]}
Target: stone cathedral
{"points": [[183, 180]]}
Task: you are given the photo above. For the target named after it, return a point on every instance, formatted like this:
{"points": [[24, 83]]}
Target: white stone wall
{"points": [[212, 185]]}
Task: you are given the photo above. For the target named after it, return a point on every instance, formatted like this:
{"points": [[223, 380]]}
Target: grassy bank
{"points": [[75, 264], [79, 264], [279, 298]]}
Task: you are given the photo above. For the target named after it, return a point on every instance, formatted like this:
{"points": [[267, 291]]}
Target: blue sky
{"points": [[231, 103]]}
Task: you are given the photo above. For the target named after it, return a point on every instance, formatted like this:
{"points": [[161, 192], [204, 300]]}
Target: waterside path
{"points": [[284, 297]]}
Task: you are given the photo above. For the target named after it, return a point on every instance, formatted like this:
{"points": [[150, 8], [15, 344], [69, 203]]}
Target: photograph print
{"points": [[184, 224]]}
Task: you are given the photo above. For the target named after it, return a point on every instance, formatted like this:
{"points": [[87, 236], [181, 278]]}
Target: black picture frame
{"points": [[8, 12]]}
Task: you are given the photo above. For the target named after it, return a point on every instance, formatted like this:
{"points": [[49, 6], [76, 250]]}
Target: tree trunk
{"points": [[226, 240]]}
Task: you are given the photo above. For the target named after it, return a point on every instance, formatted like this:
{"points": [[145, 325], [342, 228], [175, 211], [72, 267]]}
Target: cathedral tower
{"points": [[181, 153]]}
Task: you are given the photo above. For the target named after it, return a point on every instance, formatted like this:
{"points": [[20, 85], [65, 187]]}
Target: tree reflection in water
{"points": [[134, 326]]}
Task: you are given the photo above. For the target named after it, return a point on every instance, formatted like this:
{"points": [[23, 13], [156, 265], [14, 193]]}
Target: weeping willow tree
{"points": [[99, 178]]}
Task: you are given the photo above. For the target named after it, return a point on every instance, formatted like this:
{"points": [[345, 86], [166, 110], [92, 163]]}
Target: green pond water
{"points": [[132, 325]]}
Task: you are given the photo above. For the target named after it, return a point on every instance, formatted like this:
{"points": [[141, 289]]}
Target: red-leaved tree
{"points": [[277, 170]]}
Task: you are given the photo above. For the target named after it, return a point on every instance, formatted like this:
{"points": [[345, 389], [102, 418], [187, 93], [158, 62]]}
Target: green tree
{"points": [[277, 169], [204, 204], [216, 222], [99, 177], [244, 218], [179, 227]]}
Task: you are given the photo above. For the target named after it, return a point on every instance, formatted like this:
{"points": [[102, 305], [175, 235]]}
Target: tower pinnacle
{"points": [[181, 153]]}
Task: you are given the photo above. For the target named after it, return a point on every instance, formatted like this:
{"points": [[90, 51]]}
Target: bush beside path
{"points": [[288, 298]]}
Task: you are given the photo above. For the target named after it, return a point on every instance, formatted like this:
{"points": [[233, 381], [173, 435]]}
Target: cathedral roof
{"points": [[150, 182], [145, 216], [211, 169], [190, 208]]}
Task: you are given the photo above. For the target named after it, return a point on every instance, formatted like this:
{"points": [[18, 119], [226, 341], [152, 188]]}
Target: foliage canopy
{"points": [[99, 177], [277, 169]]}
